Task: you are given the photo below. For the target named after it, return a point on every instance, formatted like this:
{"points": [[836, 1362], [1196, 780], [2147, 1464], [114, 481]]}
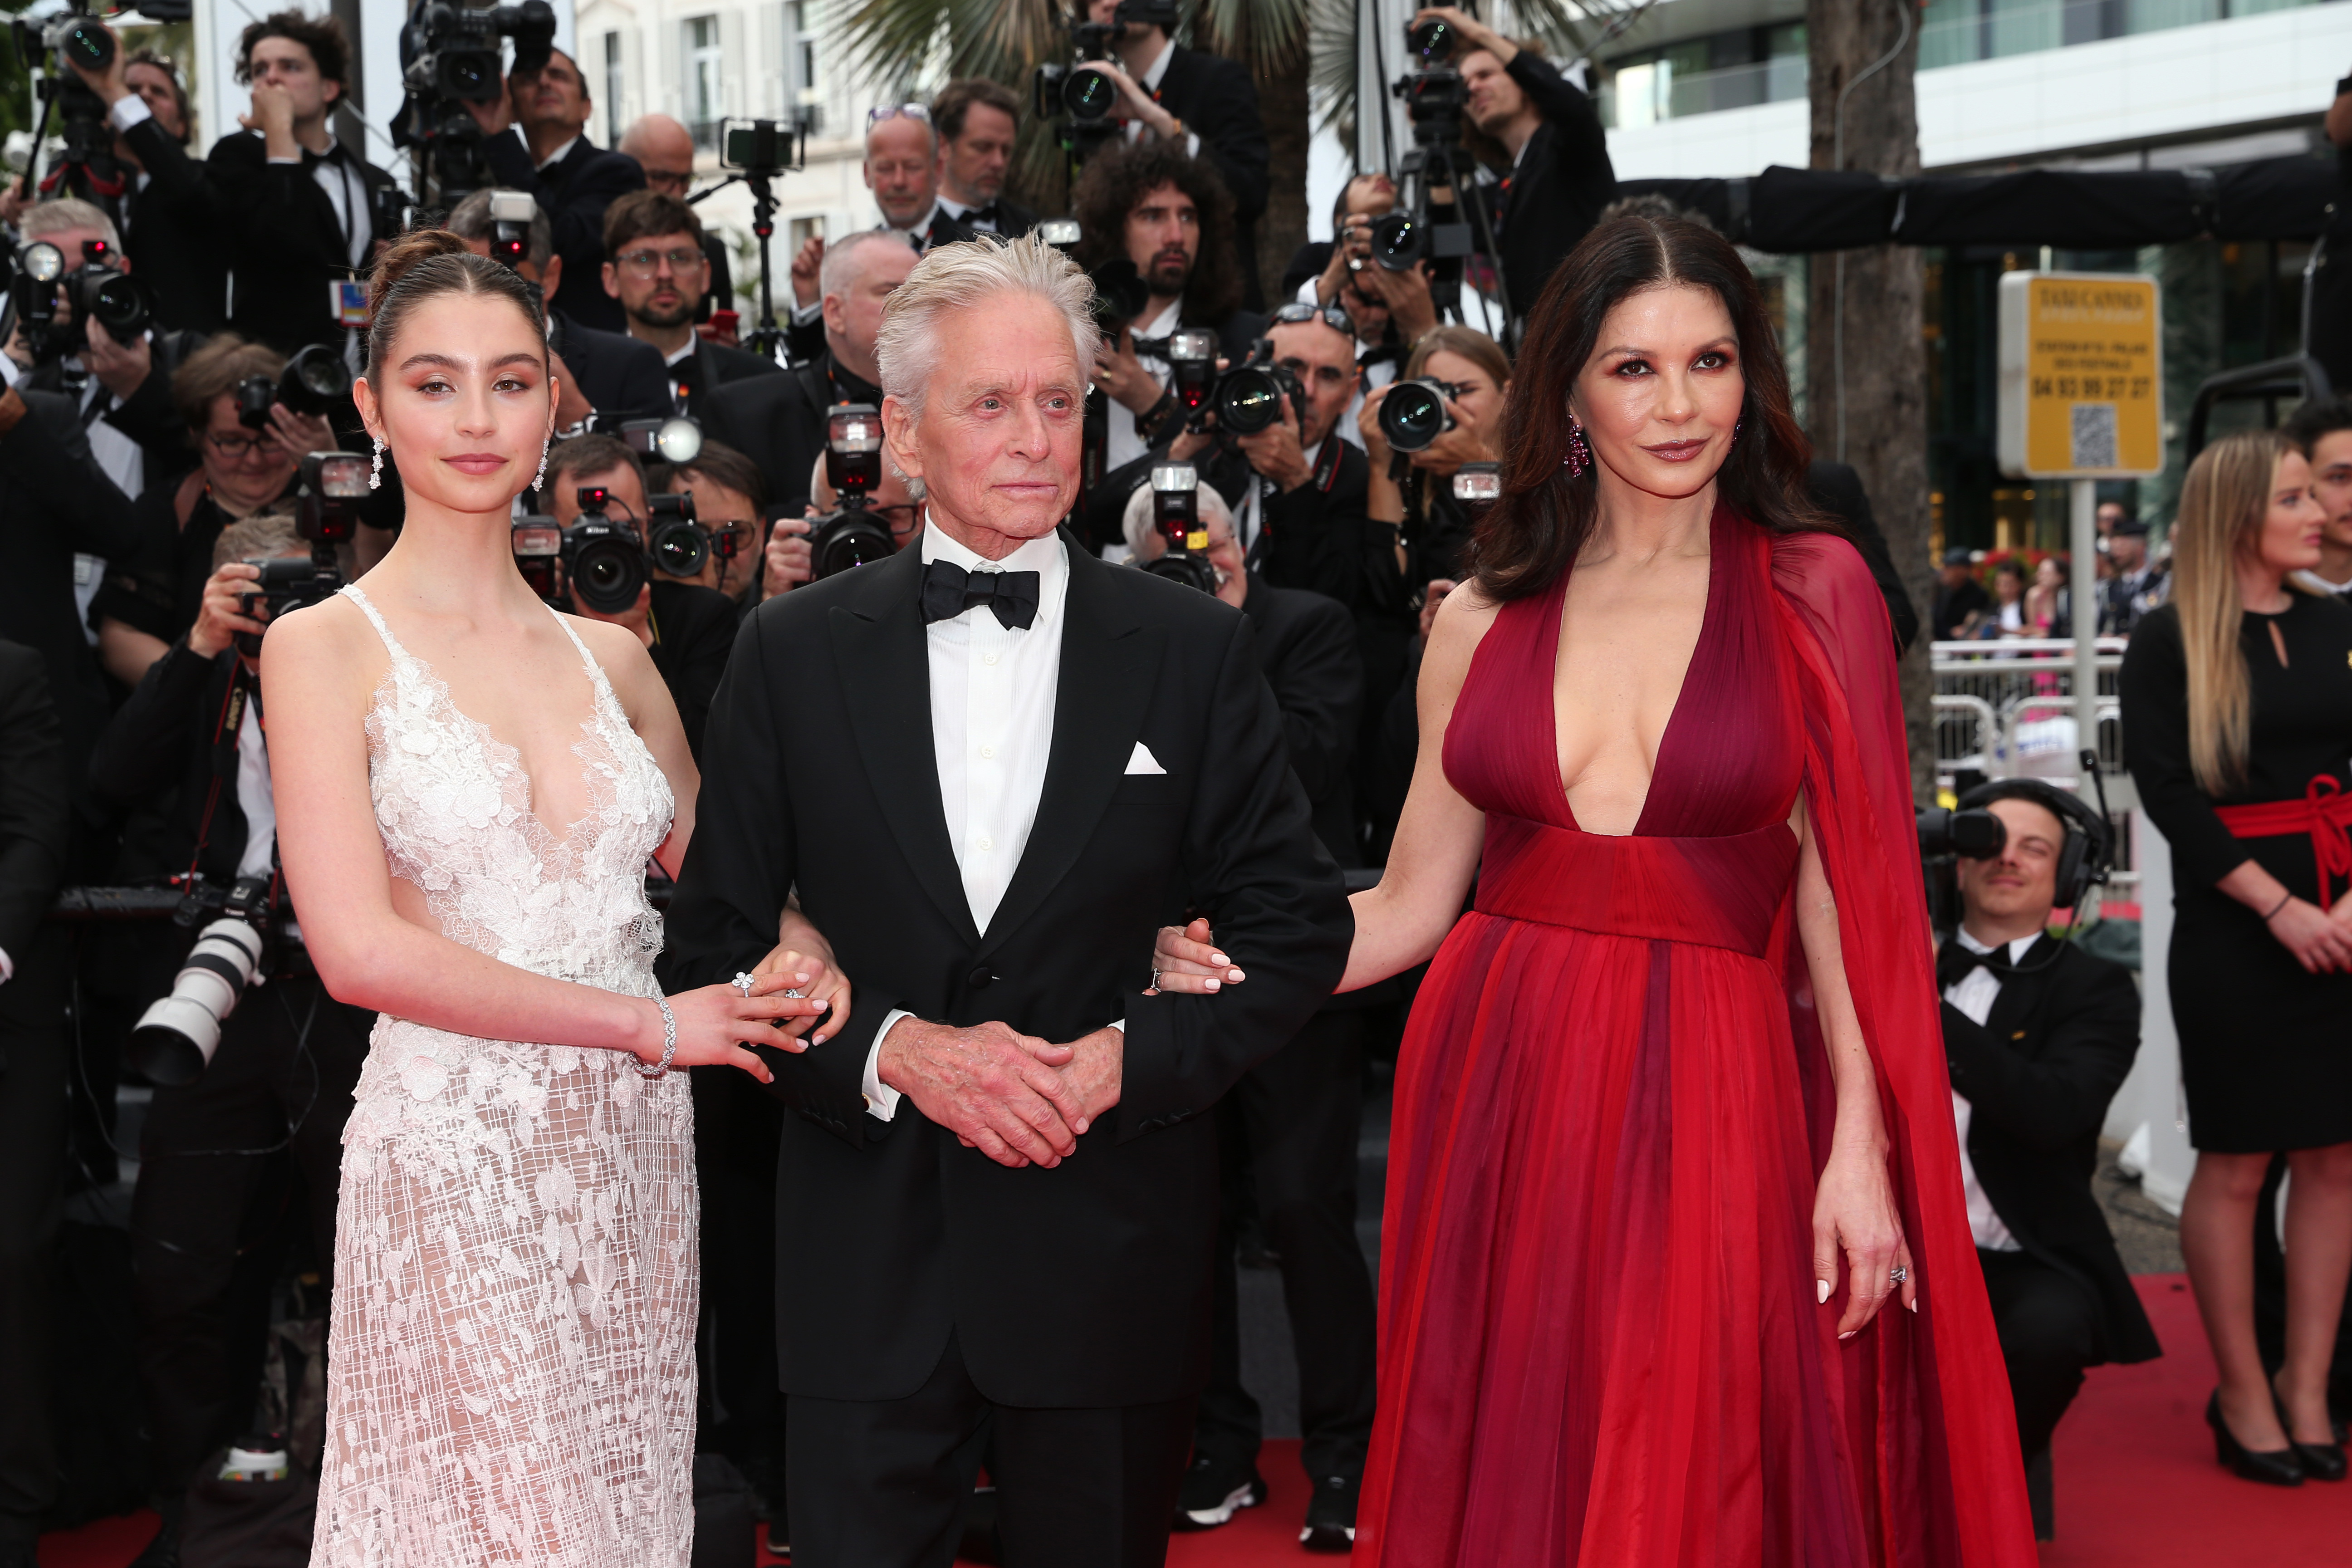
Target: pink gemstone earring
{"points": [[1579, 455]]}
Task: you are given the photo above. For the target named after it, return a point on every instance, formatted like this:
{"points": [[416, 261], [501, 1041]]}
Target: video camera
{"points": [[1413, 415], [1176, 514], [1436, 175], [97, 290], [176, 1037], [86, 167], [1081, 95], [327, 514], [451, 55], [852, 534]]}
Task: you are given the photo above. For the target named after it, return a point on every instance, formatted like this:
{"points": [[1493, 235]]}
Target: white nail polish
{"points": [[1823, 1287], [1213, 984], [1912, 1305]]}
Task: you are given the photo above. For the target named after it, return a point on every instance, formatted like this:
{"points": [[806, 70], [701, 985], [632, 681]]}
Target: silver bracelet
{"points": [[670, 1040]]}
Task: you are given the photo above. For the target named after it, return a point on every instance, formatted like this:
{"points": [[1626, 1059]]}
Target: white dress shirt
{"points": [[1150, 82], [347, 193], [1972, 995], [1123, 443], [253, 796], [120, 457], [956, 210], [992, 695]]}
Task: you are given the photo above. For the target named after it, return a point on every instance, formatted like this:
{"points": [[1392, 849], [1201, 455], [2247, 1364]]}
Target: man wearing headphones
{"points": [[2039, 1034]]}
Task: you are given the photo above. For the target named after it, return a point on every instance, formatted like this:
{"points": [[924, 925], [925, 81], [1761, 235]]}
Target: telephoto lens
{"points": [[1413, 413], [1088, 95], [1398, 242], [676, 541], [176, 1037], [1193, 356], [1176, 515], [316, 381], [1430, 41], [604, 561], [255, 393]]}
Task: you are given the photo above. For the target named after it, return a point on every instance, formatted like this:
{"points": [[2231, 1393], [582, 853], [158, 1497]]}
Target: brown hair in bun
{"points": [[431, 261]]}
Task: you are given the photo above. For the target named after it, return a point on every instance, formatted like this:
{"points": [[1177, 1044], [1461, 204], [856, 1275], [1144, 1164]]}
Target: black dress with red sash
{"points": [[2264, 1045]]}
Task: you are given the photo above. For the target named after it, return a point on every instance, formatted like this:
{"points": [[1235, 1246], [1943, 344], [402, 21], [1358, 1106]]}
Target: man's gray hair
{"points": [[1138, 526], [470, 219], [962, 276], [64, 215], [839, 268]]}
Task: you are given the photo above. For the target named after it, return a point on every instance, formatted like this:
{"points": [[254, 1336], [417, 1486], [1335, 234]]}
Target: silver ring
{"points": [[743, 983], [1900, 1274], [1155, 977], [793, 994]]}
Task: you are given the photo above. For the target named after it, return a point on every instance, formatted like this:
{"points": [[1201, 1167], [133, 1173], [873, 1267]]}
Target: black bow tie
{"points": [[1957, 963], [1152, 348], [948, 591], [986, 214]]}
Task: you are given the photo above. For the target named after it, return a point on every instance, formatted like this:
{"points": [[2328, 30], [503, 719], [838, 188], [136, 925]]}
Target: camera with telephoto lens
{"points": [[1435, 98], [326, 515], [1080, 90], [1176, 516], [1249, 396], [852, 534], [460, 54], [72, 115], [1413, 413], [315, 382], [176, 1037], [97, 290], [604, 561], [255, 393]]}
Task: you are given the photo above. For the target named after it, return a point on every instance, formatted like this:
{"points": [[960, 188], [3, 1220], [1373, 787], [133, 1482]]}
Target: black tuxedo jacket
{"points": [[36, 805], [285, 242], [621, 378], [173, 233], [2040, 1071], [167, 748], [709, 367], [1306, 262], [1086, 1285], [574, 192], [1218, 103], [1307, 646], [778, 422], [149, 416], [1563, 180]]}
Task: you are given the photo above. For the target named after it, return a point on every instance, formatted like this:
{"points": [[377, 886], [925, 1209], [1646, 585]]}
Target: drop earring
{"points": [[1579, 455], [1736, 427], [539, 483], [375, 469]]}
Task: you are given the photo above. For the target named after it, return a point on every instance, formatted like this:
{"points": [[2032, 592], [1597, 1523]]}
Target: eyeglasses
{"points": [[236, 449], [668, 179], [875, 116], [1331, 316], [646, 263]]}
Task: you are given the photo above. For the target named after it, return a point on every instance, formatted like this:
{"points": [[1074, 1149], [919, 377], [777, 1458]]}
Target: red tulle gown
{"points": [[1600, 1338]]}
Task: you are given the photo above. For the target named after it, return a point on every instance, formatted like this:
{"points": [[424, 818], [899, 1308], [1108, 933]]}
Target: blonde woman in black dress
{"points": [[2237, 709]]}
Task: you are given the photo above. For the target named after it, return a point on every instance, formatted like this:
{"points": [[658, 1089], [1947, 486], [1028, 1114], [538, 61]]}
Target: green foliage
{"points": [[18, 108]]}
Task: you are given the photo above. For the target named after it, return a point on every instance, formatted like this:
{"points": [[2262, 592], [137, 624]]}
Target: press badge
{"points": [[347, 297]]}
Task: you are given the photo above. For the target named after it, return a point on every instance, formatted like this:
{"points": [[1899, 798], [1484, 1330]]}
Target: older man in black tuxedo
{"points": [[990, 767]]}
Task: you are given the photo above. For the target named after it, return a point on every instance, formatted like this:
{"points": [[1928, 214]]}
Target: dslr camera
{"points": [[314, 382], [1120, 292], [598, 561], [86, 167], [852, 533], [96, 290], [177, 1035], [1250, 396], [1414, 415], [1176, 514], [327, 514]]}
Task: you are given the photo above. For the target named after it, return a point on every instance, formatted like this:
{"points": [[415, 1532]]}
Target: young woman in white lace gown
{"points": [[470, 786]]}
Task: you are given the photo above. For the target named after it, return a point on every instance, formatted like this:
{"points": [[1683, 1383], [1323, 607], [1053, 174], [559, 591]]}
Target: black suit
{"points": [[804, 336], [1218, 103], [621, 378], [149, 416], [574, 192], [709, 367], [1011, 219], [1306, 262], [916, 1275], [694, 631], [1102, 510], [285, 242], [2038, 1072], [778, 422], [172, 233], [34, 818], [1554, 196]]}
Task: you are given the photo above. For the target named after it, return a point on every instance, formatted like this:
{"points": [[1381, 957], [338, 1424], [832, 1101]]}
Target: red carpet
{"points": [[2136, 1484]]}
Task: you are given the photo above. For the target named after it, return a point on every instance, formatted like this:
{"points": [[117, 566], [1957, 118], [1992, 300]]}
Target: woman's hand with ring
{"points": [[825, 989], [1187, 962]]}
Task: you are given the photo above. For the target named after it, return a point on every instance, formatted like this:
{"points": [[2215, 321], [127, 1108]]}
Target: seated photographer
{"points": [[1167, 216], [1195, 102], [2039, 1036], [288, 1055], [778, 421], [296, 207], [535, 139], [151, 599], [689, 629], [977, 122], [791, 556], [1559, 175], [1419, 501], [731, 501], [656, 266], [664, 149], [610, 375], [124, 387], [168, 218]]}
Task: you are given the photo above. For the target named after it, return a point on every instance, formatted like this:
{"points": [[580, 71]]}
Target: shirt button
{"points": [[988, 752], [988, 659], [986, 843]]}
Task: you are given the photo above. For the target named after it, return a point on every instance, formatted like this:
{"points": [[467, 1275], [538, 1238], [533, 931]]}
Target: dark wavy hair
{"points": [[1542, 521], [330, 51], [1115, 184]]}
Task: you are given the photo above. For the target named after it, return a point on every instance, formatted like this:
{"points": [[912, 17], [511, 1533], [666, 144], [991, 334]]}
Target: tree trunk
{"points": [[1282, 101], [1865, 337]]}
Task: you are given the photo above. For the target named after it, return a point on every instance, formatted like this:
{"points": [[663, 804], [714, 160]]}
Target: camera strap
{"points": [[230, 720]]}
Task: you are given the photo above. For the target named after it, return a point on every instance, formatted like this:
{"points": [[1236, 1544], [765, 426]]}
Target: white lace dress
{"points": [[510, 1369]]}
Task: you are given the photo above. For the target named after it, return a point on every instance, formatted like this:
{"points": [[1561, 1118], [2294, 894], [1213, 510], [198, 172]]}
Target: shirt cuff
{"points": [[7, 967], [881, 1100], [289, 161], [1309, 294], [1192, 145], [129, 111], [1120, 1023], [804, 314]]}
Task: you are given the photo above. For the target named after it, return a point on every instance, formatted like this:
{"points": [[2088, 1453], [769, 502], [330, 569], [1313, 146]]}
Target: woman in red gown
{"points": [[1672, 1116]]}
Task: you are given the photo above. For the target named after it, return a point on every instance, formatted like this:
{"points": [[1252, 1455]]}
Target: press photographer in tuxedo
{"points": [[167, 215], [549, 154], [2039, 1036], [992, 766]]}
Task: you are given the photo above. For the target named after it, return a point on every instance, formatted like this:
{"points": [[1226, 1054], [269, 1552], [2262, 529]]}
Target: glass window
{"points": [[705, 93], [613, 84]]}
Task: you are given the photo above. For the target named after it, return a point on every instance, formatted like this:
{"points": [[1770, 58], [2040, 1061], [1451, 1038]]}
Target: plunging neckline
{"points": [[1707, 618], [486, 740]]}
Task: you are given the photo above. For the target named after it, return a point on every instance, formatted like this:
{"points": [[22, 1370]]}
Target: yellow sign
{"points": [[2081, 375]]}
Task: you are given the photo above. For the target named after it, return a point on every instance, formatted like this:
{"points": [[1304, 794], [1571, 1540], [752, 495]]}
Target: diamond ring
{"points": [[795, 993], [743, 983], [1900, 1274]]}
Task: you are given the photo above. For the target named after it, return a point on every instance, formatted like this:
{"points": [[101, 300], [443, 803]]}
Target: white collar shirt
{"points": [[1123, 443], [957, 211], [1150, 82], [919, 234], [1973, 996], [543, 164], [1369, 378], [253, 796]]}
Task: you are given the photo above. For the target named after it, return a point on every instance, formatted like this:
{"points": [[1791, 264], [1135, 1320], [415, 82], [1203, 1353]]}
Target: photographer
{"points": [[1320, 271], [977, 122], [35, 815], [296, 207], [731, 497], [2039, 1034], [153, 595], [897, 500], [1434, 526], [168, 214], [192, 736], [610, 375], [549, 154], [664, 149], [689, 629], [779, 422], [1561, 176], [901, 168], [655, 265], [1197, 103]]}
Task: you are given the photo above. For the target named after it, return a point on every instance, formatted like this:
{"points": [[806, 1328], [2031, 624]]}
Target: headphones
{"points": [[2089, 852]]}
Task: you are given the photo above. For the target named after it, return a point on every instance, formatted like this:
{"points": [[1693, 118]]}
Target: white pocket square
{"points": [[1143, 761]]}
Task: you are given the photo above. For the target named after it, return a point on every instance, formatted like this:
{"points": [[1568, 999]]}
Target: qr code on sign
{"points": [[2094, 436]]}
